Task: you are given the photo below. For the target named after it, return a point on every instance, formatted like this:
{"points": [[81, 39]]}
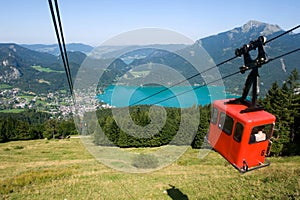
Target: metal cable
{"points": [[60, 39]]}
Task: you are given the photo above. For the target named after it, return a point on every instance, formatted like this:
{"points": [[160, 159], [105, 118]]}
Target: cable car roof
{"points": [[234, 110]]}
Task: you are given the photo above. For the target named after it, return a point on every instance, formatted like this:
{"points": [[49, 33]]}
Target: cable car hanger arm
{"points": [[253, 65]]}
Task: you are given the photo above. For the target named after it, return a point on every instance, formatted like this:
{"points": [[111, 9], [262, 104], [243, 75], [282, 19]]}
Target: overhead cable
{"points": [[282, 34], [61, 41]]}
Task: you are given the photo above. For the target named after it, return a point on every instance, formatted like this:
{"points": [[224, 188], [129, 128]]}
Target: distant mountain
{"points": [[222, 47], [35, 71], [225, 43], [106, 52], [54, 49], [147, 66]]}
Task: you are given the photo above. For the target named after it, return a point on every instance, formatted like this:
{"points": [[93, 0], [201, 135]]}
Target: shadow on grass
{"points": [[176, 194]]}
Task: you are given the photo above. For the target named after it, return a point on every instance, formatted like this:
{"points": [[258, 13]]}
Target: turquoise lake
{"points": [[178, 96]]}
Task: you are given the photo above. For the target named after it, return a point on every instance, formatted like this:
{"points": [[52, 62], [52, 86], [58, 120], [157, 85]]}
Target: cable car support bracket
{"points": [[253, 77]]}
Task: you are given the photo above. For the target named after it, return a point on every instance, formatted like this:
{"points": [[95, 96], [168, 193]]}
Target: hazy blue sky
{"points": [[94, 21]]}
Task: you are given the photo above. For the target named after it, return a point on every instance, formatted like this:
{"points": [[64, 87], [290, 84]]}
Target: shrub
{"points": [[145, 161]]}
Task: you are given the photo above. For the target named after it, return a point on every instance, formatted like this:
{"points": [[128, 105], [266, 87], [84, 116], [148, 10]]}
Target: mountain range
{"points": [[38, 68], [54, 49]]}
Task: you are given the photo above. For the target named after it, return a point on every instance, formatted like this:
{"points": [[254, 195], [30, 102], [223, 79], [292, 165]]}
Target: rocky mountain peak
{"points": [[263, 28]]}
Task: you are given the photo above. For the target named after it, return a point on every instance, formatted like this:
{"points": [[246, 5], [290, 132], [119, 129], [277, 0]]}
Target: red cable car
{"points": [[241, 138], [241, 130]]}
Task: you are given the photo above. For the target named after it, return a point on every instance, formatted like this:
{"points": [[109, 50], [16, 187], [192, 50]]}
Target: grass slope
{"points": [[19, 110], [63, 169], [45, 69], [5, 86]]}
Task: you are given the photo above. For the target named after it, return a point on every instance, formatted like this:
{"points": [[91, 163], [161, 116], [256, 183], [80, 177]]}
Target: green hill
{"points": [[24, 68], [63, 169]]}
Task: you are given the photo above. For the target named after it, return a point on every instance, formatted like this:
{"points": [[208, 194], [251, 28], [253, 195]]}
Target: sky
{"points": [[96, 21]]}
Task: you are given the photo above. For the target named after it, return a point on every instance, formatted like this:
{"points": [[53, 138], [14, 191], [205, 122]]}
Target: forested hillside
{"points": [[284, 103], [31, 124], [35, 71]]}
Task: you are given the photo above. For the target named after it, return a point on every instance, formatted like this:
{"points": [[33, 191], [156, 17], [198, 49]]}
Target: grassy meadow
{"points": [[45, 69], [17, 110], [64, 169]]}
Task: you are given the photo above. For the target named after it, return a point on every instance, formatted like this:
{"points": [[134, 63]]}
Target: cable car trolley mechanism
{"points": [[240, 130]]}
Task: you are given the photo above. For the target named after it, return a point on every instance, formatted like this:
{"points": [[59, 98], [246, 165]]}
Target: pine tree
{"points": [[111, 130], [22, 130], [284, 103], [292, 86], [202, 128], [3, 137], [51, 129], [293, 81]]}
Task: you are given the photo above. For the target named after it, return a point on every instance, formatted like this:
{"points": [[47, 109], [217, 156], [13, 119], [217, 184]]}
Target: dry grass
{"points": [[63, 169]]}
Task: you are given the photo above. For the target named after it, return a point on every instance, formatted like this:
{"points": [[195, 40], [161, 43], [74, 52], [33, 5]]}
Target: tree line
{"points": [[181, 127], [284, 103], [31, 124]]}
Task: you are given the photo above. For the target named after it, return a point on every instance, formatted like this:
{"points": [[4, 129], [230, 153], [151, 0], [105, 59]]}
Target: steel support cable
{"points": [[63, 42], [224, 77], [282, 34], [217, 65], [282, 55], [60, 39]]}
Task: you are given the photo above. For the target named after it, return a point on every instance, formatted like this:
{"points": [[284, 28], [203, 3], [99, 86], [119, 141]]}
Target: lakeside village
{"points": [[58, 104]]}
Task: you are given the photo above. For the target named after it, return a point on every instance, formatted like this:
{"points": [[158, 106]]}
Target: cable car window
{"points": [[261, 133], [238, 132], [225, 123], [214, 115]]}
